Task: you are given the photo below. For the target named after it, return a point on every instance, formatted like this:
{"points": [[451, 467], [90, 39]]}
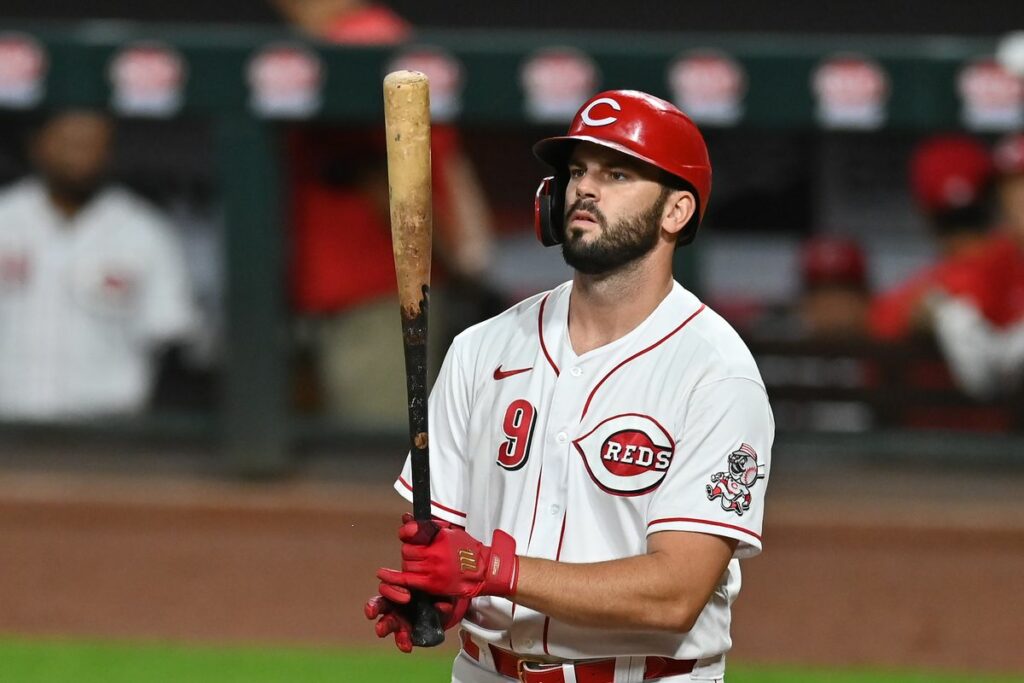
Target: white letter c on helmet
{"points": [[585, 114]]}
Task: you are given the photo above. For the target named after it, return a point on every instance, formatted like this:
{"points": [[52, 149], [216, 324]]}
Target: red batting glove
{"points": [[393, 616], [454, 563]]}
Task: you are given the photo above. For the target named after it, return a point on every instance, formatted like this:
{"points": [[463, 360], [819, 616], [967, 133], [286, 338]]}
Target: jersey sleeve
{"points": [[448, 420], [719, 475], [168, 311]]}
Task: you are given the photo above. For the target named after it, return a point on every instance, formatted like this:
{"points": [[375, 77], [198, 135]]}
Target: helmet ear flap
{"points": [[549, 211]]}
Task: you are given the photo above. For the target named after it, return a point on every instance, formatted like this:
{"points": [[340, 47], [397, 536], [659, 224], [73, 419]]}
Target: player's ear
{"points": [[679, 208]]}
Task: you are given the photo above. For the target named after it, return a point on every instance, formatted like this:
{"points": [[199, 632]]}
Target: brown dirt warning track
{"points": [[856, 570]]}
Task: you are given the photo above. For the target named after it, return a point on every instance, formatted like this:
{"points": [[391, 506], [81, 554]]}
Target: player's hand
{"points": [[395, 616], [454, 563]]}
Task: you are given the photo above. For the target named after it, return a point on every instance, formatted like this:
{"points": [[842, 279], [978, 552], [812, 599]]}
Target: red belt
{"points": [[589, 671]]}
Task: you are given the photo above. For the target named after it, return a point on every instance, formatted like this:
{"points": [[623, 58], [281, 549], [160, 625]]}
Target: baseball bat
{"points": [[407, 125]]}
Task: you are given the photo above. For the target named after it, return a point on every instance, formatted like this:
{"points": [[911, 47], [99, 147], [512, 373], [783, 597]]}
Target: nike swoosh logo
{"points": [[502, 374]]}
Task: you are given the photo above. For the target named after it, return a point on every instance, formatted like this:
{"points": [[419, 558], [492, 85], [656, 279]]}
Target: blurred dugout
{"points": [[93, 283]]}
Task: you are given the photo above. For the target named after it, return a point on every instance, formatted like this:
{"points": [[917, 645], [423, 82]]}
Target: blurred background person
{"points": [[979, 316], [832, 299], [93, 285], [353, 22], [824, 329], [1009, 163], [343, 276], [951, 180], [835, 295]]}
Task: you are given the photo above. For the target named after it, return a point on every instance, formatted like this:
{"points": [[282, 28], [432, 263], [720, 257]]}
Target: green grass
{"points": [[55, 661]]}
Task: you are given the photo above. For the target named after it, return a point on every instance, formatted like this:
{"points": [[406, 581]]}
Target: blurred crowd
{"points": [[860, 357], [95, 291], [97, 301], [970, 300]]}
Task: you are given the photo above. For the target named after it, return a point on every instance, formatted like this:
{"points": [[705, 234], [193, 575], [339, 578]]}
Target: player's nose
{"points": [[586, 187]]}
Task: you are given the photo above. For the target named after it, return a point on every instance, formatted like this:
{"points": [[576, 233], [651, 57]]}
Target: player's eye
{"points": [[619, 175], [576, 172]]}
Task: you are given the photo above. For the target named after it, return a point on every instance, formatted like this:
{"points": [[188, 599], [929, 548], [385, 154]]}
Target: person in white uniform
{"points": [[93, 283], [610, 439]]}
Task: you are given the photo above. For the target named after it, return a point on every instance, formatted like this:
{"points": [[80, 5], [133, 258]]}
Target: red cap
{"points": [[1009, 154], [949, 172], [832, 260], [642, 126]]}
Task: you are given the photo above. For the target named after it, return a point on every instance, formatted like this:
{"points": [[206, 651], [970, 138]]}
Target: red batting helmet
{"points": [[949, 172], [634, 123], [832, 260]]}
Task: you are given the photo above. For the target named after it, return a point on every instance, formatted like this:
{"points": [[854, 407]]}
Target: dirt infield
{"points": [[890, 570]]}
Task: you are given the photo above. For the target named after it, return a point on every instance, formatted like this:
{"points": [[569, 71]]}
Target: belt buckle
{"points": [[521, 670]]}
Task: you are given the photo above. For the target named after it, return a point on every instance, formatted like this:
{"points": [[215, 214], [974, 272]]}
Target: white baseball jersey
{"points": [[83, 301], [580, 458]]}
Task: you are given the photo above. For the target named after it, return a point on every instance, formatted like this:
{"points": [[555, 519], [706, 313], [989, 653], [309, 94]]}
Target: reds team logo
{"points": [[733, 485], [627, 455], [285, 81], [23, 67], [992, 98], [709, 86], [148, 80], [556, 82], [852, 92], [444, 73]]}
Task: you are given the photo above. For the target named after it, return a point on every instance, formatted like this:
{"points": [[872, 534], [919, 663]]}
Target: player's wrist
{"points": [[501, 575]]}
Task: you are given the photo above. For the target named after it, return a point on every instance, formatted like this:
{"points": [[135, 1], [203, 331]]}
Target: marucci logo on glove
{"points": [[467, 561]]}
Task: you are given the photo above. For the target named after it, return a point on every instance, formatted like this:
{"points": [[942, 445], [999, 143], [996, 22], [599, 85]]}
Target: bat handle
{"points": [[426, 627]]}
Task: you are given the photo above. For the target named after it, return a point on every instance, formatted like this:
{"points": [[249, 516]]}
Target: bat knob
{"points": [[426, 628]]}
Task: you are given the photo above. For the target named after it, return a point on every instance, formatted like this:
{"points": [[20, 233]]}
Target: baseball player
{"points": [[600, 451], [977, 309], [92, 282]]}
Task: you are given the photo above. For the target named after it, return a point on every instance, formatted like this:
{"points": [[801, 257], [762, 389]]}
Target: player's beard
{"points": [[629, 240], [75, 191]]}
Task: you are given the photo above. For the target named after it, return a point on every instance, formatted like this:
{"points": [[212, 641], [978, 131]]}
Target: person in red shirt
{"points": [[951, 180], [974, 302], [342, 267], [835, 298], [979, 316]]}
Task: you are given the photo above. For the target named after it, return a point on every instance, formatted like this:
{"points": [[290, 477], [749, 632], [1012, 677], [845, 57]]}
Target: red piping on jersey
{"points": [[558, 556], [703, 521], [536, 500], [513, 618], [561, 537], [637, 354], [540, 333], [533, 523], [434, 503]]}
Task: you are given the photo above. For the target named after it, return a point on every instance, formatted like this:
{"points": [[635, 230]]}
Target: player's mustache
{"points": [[590, 207]]}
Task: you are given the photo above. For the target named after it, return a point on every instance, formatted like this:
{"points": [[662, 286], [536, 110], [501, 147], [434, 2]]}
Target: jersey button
{"points": [[528, 642], [576, 372], [562, 437], [555, 509]]}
